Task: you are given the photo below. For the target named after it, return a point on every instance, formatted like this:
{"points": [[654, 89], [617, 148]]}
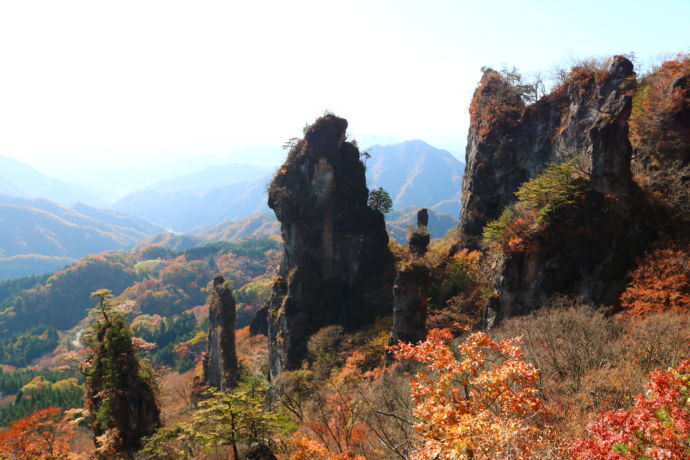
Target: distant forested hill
{"points": [[162, 281], [254, 226], [266, 225], [38, 236]]}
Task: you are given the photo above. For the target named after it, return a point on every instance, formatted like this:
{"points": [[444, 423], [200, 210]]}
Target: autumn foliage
{"points": [[661, 282], [658, 425], [663, 97], [45, 434], [482, 404], [496, 103], [539, 200], [309, 449], [333, 420]]}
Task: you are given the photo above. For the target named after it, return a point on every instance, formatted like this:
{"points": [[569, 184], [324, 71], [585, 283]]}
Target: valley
{"points": [[247, 231]]}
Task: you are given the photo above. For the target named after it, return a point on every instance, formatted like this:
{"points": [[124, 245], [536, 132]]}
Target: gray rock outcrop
{"points": [[220, 360], [336, 267], [585, 250]]}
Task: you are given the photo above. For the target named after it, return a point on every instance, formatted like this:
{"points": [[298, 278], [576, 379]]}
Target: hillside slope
{"points": [[21, 180], [416, 174], [38, 236], [254, 226], [185, 211]]}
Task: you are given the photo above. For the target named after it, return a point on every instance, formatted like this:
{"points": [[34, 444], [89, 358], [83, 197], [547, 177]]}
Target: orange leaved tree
{"points": [[304, 448], [481, 403], [42, 435], [661, 282]]}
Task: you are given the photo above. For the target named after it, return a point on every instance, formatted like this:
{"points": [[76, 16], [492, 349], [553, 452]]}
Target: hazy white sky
{"points": [[128, 81]]}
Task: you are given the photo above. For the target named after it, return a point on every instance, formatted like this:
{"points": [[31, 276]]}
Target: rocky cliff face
{"points": [[509, 143], [660, 133], [585, 252], [336, 267], [220, 360]]}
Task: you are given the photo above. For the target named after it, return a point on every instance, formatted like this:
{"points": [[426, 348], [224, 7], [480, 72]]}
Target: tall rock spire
{"points": [[336, 268], [220, 360]]}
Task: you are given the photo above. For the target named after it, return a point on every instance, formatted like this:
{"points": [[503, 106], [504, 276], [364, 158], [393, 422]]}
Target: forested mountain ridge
{"points": [[160, 280], [257, 225], [38, 235], [398, 223]]}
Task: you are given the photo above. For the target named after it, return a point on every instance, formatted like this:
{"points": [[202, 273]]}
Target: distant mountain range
{"points": [[213, 177], [38, 235], [413, 172], [202, 199], [416, 174], [221, 202], [187, 211], [120, 179], [21, 180]]}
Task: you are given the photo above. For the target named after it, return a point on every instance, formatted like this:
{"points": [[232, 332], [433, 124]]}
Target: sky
{"points": [[103, 84]]}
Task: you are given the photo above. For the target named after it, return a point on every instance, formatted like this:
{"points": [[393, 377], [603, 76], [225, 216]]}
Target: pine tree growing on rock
{"points": [[120, 398]]}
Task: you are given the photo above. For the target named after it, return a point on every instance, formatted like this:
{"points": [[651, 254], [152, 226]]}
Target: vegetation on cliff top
{"points": [[120, 399]]}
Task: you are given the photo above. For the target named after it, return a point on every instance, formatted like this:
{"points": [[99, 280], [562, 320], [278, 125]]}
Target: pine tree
{"points": [[380, 200]]}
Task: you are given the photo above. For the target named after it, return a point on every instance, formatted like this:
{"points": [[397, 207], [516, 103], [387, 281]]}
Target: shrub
{"points": [[556, 187], [293, 389], [565, 341], [44, 434], [656, 427], [419, 241], [458, 275], [661, 282], [323, 348], [660, 99], [497, 102], [656, 341], [495, 231]]}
